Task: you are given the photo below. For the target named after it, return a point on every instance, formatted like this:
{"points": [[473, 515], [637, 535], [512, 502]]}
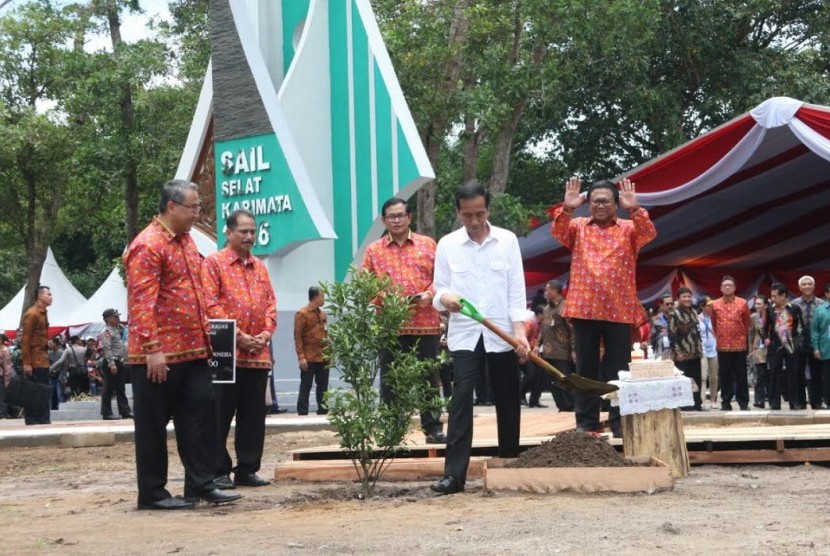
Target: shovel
{"points": [[572, 383]]}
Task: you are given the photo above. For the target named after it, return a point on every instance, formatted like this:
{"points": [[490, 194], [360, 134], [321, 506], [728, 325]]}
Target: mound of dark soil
{"points": [[571, 449]]}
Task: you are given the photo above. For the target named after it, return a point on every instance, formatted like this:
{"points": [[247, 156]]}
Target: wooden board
{"points": [[536, 427], [409, 469], [654, 475]]}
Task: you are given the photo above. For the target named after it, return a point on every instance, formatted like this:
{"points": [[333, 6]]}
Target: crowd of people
{"points": [[779, 344], [590, 329]]}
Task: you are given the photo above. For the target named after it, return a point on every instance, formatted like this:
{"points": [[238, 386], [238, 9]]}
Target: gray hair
{"points": [[174, 191], [807, 278]]}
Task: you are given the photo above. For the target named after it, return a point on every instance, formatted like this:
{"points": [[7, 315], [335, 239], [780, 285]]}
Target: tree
{"points": [[36, 146], [370, 430]]}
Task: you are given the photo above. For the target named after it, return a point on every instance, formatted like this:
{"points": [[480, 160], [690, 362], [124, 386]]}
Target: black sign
{"points": [[223, 342]]}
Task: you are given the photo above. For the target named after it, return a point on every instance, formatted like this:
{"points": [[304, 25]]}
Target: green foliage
{"points": [[370, 430]]}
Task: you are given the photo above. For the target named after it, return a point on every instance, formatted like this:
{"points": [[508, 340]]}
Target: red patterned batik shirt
{"points": [[164, 297], [603, 282], [241, 289], [730, 319], [411, 267]]}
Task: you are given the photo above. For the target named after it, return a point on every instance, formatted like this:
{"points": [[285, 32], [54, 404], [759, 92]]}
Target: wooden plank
{"points": [[658, 476], [789, 455], [411, 469]]}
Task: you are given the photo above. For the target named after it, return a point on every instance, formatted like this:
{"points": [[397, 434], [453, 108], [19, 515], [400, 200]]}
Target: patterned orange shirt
{"points": [[310, 334], [164, 297], [241, 290], [411, 267], [730, 319], [603, 265]]}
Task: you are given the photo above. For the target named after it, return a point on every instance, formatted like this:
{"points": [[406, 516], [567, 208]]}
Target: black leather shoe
{"points": [[537, 404], [111, 418], [436, 438], [447, 485], [167, 504], [758, 405], [302, 413], [249, 480], [322, 412], [214, 496], [128, 416], [223, 482]]}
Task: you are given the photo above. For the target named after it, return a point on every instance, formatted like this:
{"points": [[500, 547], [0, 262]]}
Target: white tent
{"points": [[111, 295], [66, 298], [113, 292]]}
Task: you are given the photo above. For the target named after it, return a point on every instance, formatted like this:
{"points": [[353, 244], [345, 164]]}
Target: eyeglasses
{"points": [[399, 217], [194, 208], [601, 202]]}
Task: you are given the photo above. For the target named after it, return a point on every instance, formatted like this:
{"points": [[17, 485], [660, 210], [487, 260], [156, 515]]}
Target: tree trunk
{"points": [[127, 118], [38, 230], [433, 134], [469, 150], [503, 149]]}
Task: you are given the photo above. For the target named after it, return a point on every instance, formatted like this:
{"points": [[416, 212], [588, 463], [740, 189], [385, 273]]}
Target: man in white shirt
{"points": [[482, 264]]}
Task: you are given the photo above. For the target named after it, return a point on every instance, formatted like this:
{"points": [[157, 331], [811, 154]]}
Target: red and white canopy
{"points": [[750, 198]]}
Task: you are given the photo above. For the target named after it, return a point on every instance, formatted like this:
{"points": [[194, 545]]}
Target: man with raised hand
{"points": [[602, 298]]}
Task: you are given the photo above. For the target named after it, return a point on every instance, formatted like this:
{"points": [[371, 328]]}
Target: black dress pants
{"points": [[246, 400], [732, 369], [427, 348], [504, 373], [115, 383], [761, 383], [187, 398], [779, 376], [318, 372], [588, 334], [41, 375], [691, 369], [815, 386]]}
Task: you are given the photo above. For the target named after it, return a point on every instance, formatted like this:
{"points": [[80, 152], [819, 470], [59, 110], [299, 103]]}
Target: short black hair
{"points": [[391, 203], [729, 278], [469, 191], [313, 292], [40, 289], [233, 218], [683, 289], [538, 310], [605, 184], [827, 287], [779, 288]]}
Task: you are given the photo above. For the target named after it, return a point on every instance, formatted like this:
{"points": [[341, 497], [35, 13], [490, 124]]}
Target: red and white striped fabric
{"points": [[750, 198]]}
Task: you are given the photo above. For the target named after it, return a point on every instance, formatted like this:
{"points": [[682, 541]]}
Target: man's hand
{"points": [[817, 354], [113, 369], [303, 365], [27, 370], [628, 196], [573, 199], [524, 347], [424, 299], [452, 302], [157, 368]]}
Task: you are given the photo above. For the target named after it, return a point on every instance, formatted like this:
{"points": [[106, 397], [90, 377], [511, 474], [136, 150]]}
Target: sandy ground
{"points": [[82, 501]]}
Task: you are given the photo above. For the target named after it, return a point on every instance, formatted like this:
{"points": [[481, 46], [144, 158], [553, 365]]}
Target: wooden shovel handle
{"points": [[512, 341]]}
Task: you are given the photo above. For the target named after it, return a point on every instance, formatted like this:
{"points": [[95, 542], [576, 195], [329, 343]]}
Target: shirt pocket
{"points": [[459, 267], [499, 265]]}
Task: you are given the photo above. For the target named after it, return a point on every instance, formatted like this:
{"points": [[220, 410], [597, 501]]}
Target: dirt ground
{"points": [[82, 501]]}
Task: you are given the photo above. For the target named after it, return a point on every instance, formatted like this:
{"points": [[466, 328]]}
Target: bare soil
{"points": [[571, 449], [83, 501]]}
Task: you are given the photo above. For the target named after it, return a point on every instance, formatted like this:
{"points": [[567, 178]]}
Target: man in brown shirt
{"points": [[309, 340], [556, 344], [35, 350]]}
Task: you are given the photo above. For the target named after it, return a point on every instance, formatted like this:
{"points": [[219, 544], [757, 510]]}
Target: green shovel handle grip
{"points": [[468, 309]]}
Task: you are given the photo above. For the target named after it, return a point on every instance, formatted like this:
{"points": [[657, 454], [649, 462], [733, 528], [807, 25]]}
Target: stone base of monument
{"points": [[646, 475], [86, 439]]}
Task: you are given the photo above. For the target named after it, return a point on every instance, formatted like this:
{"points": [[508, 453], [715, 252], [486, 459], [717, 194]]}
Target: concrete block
{"points": [[86, 439]]}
